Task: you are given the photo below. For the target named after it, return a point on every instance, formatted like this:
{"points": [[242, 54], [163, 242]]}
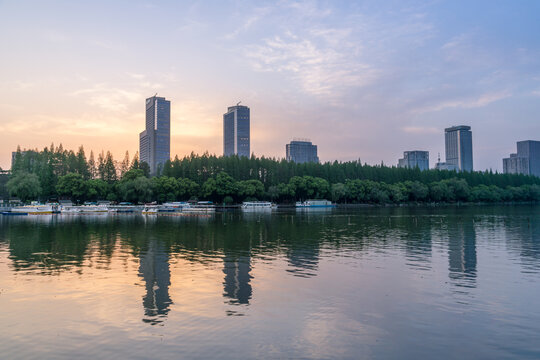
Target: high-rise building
{"points": [[415, 158], [236, 131], [458, 145], [301, 151], [155, 140], [515, 165], [526, 161]]}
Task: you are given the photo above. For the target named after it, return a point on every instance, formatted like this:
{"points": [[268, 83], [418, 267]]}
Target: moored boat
{"points": [[84, 209], [315, 203], [161, 209], [258, 205], [200, 207], [35, 209]]}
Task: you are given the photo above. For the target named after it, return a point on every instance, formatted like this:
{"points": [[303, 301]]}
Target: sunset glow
{"points": [[361, 80]]}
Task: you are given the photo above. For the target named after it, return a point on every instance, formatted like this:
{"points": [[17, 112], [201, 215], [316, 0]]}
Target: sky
{"points": [[362, 79]]}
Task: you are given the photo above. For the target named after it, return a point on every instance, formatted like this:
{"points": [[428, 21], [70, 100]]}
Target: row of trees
{"points": [[58, 173], [137, 188]]}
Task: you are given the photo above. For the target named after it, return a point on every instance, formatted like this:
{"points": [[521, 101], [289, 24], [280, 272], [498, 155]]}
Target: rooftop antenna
{"points": [[238, 103], [155, 95], [439, 158]]}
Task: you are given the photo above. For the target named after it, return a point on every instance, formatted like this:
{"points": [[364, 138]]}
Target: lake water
{"points": [[381, 283]]}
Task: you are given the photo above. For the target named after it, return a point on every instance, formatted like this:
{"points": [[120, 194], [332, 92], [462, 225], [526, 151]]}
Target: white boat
{"points": [[315, 203], [121, 209], [84, 209], [176, 205], [200, 207], [150, 210], [258, 205], [35, 209], [165, 209]]}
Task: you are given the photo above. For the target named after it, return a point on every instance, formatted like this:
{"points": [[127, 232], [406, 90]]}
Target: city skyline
{"points": [[365, 80]]}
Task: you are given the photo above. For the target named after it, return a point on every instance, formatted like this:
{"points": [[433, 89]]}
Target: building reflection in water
{"points": [[462, 254], [236, 285], [418, 245], [523, 237], [304, 260], [154, 270]]}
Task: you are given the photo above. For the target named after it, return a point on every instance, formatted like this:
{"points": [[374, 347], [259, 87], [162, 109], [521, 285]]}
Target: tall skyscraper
{"points": [[155, 141], [458, 141], [526, 161], [301, 151], [415, 158], [236, 131]]}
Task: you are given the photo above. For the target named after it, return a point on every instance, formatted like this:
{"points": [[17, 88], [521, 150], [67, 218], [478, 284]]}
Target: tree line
{"points": [[56, 173]]}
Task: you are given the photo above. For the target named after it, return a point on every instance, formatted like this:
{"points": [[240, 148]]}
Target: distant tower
{"points": [[526, 161], [236, 131], [458, 146], [155, 141], [413, 159], [301, 151]]}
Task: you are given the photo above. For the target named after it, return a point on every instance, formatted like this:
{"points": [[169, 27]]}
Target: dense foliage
{"points": [[57, 173]]}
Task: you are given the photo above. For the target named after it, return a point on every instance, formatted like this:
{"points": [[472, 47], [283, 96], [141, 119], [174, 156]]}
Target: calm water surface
{"points": [[418, 283]]}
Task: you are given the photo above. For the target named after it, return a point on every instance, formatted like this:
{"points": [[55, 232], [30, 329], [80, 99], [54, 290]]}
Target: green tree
{"points": [[97, 189], [124, 165], [108, 169], [165, 188], [92, 167], [209, 190], [416, 190], [145, 168], [138, 190], [226, 186], [187, 189], [81, 165], [25, 186], [72, 185], [132, 174], [252, 189], [339, 192]]}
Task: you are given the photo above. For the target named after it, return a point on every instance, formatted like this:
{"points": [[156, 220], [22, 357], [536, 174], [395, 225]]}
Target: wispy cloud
{"points": [[253, 18], [321, 70], [104, 44], [54, 36], [330, 53], [465, 103], [109, 98], [421, 130], [308, 8], [136, 76]]}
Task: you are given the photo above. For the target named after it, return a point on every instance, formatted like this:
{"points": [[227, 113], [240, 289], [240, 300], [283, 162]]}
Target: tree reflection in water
{"points": [[55, 244]]}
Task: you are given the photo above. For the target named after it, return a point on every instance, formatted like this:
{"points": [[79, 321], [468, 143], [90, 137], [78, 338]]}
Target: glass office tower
{"points": [[236, 131], [458, 141], [155, 140]]}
